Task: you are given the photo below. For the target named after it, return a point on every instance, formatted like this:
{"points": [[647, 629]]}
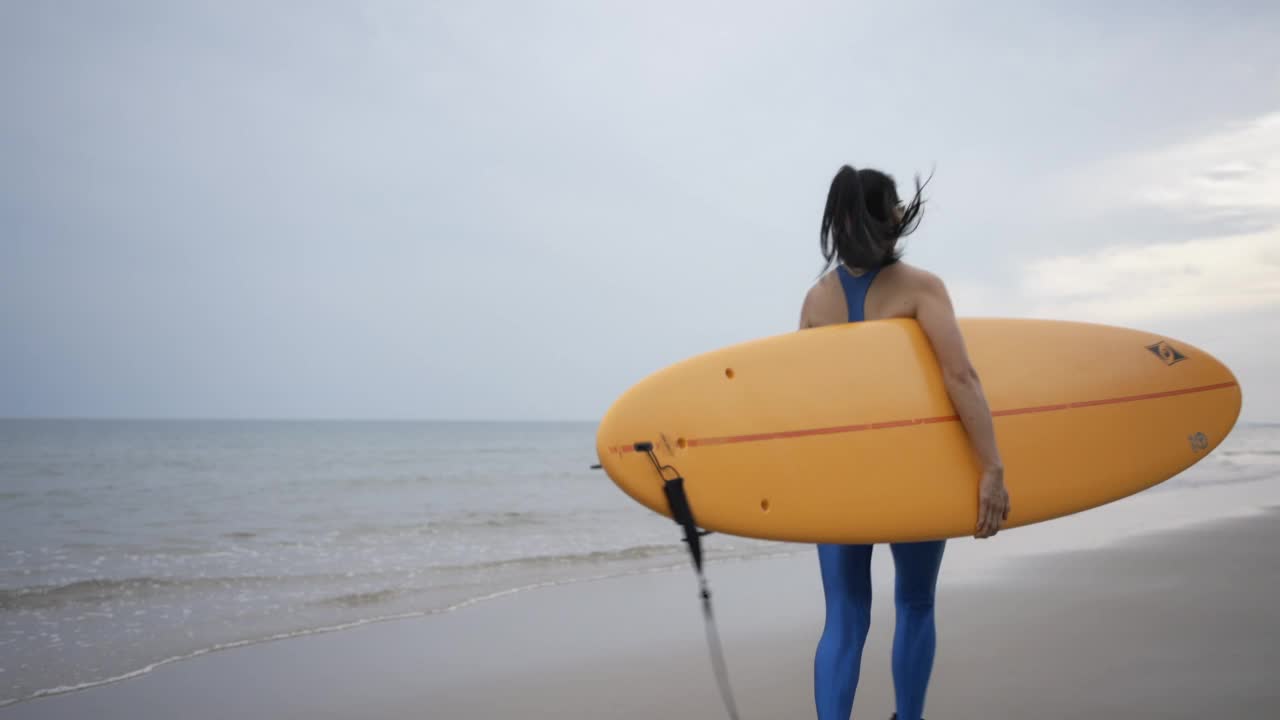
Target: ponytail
{"points": [[859, 228]]}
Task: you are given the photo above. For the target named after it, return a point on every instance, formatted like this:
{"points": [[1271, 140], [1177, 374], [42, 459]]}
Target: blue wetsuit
{"points": [[846, 583]]}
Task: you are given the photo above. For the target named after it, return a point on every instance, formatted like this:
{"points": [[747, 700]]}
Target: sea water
{"points": [[126, 544]]}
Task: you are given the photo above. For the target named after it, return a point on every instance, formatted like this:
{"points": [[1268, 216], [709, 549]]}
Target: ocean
{"points": [[128, 544]]}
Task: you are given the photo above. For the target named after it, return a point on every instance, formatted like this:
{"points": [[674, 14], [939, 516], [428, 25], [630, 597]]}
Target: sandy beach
{"points": [[1166, 624]]}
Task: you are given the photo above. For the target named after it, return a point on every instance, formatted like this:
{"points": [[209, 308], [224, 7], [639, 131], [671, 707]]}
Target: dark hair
{"points": [[858, 226]]}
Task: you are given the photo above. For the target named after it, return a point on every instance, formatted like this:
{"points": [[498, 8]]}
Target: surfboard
{"points": [[845, 433]]}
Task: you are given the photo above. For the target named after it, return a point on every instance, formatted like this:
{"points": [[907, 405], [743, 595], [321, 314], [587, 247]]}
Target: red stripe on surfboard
{"points": [[1152, 396], [1030, 410], [841, 429], [838, 429]]}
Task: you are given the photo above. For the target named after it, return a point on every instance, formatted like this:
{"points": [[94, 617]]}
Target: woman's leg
{"points": [[846, 584], [915, 635]]}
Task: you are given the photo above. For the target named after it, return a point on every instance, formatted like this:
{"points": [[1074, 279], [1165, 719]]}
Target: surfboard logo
{"points": [[1199, 442], [666, 444], [1166, 352]]}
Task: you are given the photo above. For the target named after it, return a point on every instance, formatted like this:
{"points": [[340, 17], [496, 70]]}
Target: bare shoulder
{"points": [[822, 287], [823, 304], [914, 278]]}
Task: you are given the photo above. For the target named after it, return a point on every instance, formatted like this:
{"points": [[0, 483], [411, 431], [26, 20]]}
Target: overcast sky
{"points": [[515, 211]]}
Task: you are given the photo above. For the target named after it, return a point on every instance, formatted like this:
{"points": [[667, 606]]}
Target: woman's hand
{"points": [[993, 502]]}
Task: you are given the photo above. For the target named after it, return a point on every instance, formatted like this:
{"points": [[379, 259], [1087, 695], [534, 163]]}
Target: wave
{"points": [[365, 482], [459, 605], [357, 600], [595, 557], [388, 482], [93, 591], [782, 550], [457, 523], [97, 591], [512, 518], [507, 450]]}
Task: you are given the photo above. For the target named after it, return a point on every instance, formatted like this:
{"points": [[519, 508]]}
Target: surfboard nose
{"points": [[1198, 368]]}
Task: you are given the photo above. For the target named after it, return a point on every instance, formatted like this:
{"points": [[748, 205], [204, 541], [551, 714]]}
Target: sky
{"points": [[481, 210]]}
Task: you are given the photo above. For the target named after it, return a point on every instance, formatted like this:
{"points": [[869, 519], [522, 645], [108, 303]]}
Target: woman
{"points": [[861, 227]]}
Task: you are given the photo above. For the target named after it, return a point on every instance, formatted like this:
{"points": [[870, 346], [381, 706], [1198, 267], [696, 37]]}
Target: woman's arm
{"points": [[937, 318]]}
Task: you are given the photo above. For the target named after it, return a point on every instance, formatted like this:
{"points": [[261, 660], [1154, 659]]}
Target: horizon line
{"points": [[123, 418]]}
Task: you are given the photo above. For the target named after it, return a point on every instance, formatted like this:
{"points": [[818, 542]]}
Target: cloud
{"points": [[1229, 173], [1179, 279], [1220, 190]]}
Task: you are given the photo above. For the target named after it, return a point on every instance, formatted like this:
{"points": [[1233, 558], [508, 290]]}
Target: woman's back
{"points": [[862, 224], [895, 291], [861, 227]]}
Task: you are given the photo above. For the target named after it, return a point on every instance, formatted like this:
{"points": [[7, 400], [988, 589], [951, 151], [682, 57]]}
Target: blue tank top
{"points": [[855, 291]]}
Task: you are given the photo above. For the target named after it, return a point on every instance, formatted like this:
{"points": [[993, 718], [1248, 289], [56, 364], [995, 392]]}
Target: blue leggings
{"points": [[846, 583]]}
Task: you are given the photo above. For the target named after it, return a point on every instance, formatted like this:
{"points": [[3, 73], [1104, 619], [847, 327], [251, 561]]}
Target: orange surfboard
{"points": [[846, 434]]}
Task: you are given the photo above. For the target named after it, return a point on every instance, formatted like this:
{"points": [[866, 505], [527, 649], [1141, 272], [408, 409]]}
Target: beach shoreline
{"points": [[1175, 622]]}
